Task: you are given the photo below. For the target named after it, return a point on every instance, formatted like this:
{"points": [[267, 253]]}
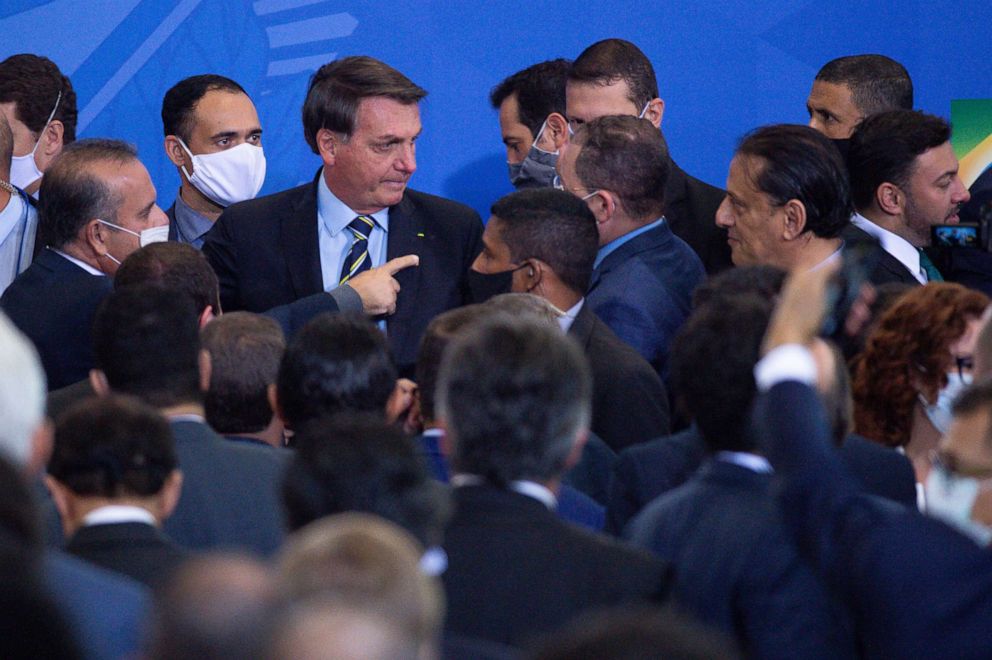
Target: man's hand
{"points": [[378, 288], [801, 308]]}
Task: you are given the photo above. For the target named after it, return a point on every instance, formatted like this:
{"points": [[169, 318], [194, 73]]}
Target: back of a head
{"points": [[877, 83], [22, 393], [627, 156], [712, 368], [146, 341], [338, 88], [442, 329], [179, 103], [515, 394], [336, 363], [551, 225], [353, 462], [112, 447], [540, 90], [37, 87], [173, 265], [612, 60], [245, 350], [72, 194], [526, 304], [884, 148], [798, 162], [761, 280], [362, 561]]}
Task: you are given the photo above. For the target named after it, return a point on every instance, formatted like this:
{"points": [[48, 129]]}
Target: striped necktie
{"points": [[933, 275], [358, 259]]}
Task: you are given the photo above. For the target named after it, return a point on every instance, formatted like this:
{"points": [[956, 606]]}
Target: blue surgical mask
{"points": [[537, 170], [939, 412]]}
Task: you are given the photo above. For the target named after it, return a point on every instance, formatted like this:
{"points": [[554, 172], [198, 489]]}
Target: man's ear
{"points": [[532, 275], [655, 111], [575, 454], [555, 132], [205, 369], [603, 205], [168, 497], [272, 393], [795, 219], [42, 441], [890, 198], [175, 152], [327, 145], [206, 316], [51, 139], [64, 503], [95, 235], [99, 383]]}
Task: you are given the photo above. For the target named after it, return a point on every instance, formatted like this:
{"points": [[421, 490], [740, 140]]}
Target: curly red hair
{"points": [[909, 348]]}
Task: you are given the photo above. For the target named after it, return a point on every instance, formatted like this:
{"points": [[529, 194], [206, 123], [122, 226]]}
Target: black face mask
{"points": [[483, 286]]}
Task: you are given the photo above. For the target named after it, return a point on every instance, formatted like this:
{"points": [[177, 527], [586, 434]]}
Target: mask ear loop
{"points": [[51, 116]]}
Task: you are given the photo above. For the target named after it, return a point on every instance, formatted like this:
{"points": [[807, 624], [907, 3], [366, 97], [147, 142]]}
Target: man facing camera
{"points": [[362, 118]]}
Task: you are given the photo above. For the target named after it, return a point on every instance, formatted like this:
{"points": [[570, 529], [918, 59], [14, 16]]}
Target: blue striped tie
{"points": [[358, 259]]}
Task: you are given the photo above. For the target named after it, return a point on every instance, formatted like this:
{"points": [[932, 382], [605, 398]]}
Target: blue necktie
{"points": [[933, 275], [358, 259]]}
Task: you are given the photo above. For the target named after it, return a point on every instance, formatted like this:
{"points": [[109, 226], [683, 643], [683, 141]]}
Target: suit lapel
{"points": [[405, 237], [301, 244]]}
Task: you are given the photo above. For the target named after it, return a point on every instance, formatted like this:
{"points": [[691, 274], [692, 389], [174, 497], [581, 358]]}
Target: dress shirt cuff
{"points": [[347, 299], [786, 362]]}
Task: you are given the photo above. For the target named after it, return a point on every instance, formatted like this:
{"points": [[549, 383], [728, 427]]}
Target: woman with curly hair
{"points": [[916, 359]]}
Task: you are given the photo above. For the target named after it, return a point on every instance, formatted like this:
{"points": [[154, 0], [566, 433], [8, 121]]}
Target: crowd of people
{"points": [[631, 415]]}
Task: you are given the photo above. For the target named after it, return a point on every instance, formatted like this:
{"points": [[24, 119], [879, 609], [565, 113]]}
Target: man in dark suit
{"points": [[515, 398], [97, 207], [736, 567], [613, 77], [917, 587], [361, 117], [643, 274], [146, 341], [544, 242], [904, 179], [114, 478]]}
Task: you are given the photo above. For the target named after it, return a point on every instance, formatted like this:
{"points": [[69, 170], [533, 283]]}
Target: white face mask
{"points": [[23, 169], [939, 412], [229, 176], [951, 497], [146, 236]]}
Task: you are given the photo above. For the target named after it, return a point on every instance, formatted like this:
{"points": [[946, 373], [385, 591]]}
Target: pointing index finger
{"points": [[399, 263]]}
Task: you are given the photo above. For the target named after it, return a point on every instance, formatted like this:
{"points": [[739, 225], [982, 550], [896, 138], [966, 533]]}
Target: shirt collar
{"points": [[529, 488], [11, 216], [336, 215], [834, 256], [615, 244], [118, 513], [191, 225], [82, 264], [568, 317], [747, 460], [904, 251]]}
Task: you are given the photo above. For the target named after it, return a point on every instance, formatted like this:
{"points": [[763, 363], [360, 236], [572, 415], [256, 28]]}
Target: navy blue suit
{"points": [[916, 587], [642, 291], [230, 497], [690, 207], [137, 550], [266, 254], [53, 302], [737, 568]]}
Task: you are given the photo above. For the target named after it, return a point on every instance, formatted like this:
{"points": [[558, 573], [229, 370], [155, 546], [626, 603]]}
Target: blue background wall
{"points": [[723, 68]]}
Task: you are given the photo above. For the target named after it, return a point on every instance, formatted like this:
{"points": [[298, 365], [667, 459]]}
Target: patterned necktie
{"points": [[358, 259], [933, 275]]}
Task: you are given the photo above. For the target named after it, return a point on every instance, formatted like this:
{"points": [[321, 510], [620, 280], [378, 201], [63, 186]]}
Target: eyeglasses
{"points": [[965, 365]]}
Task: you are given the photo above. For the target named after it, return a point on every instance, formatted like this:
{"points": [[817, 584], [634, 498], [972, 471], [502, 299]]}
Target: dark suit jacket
{"points": [[516, 571], [136, 549], [230, 495], [629, 401], [53, 302], [642, 291], [644, 472], [266, 254], [887, 268], [737, 567], [107, 611], [917, 588], [690, 207]]}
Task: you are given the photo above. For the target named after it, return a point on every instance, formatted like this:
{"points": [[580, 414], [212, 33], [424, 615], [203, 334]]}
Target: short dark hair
{"points": [[112, 447], [6, 147], [877, 83], [798, 162], [71, 194], [174, 265], [146, 341], [712, 368], [540, 90], [760, 279], [514, 393], [627, 156], [179, 103], [551, 225], [358, 462], [338, 87], [337, 362], [33, 84], [884, 147], [609, 61], [245, 350], [438, 335]]}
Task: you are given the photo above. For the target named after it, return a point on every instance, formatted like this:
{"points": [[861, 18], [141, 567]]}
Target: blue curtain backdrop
{"points": [[723, 68]]}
